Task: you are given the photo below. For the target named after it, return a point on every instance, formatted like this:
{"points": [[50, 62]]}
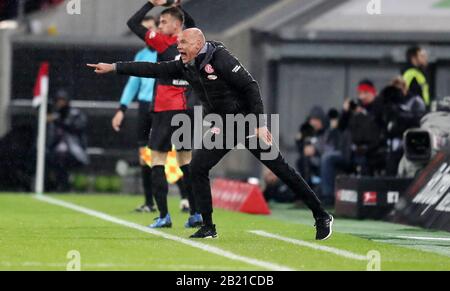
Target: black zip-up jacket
{"points": [[223, 85]]}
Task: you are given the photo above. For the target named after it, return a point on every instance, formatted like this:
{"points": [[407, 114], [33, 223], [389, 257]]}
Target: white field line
{"points": [[113, 266], [424, 238], [335, 251], [198, 245]]}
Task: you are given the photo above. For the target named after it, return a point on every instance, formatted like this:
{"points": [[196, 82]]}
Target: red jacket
{"points": [[170, 94]]}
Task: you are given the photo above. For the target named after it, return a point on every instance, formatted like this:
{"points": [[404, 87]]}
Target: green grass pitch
{"points": [[36, 235]]}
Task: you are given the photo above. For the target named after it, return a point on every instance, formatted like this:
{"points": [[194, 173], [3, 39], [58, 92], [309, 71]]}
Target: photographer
{"points": [[66, 141], [364, 121], [361, 138], [402, 111]]}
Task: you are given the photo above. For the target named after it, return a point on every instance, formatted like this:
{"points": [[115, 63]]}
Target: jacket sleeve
{"points": [[158, 41], [189, 22], [237, 77], [135, 22], [164, 70]]}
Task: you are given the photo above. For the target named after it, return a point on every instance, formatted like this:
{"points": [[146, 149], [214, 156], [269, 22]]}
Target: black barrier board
{"points": [[426, 203], [367, 197]]}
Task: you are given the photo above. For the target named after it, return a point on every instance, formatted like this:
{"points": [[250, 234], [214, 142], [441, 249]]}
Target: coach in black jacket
{"points": [[224, 87]]}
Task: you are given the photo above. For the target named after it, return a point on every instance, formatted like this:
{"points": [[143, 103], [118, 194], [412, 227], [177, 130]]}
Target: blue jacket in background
{"points": [[142, 88]]}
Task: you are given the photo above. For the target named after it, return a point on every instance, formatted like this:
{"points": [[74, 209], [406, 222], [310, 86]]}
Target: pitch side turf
{"points": [[38, 234]]}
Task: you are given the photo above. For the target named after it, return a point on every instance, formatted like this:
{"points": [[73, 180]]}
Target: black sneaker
{"points": [[324, 227], [206, 231]]}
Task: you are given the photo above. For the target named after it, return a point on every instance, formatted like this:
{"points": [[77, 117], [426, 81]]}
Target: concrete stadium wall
{"points": [[97, 18]]}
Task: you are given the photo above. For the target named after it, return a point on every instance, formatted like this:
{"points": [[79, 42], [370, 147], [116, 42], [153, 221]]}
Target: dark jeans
{"points": [[331, 162], [204, 160], [334, 162]]}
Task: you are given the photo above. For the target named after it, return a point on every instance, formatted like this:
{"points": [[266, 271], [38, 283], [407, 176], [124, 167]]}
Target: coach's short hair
{"points": [[174, 12]]}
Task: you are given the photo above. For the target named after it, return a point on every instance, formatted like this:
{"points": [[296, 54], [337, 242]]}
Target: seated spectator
{"points": [[311, 141], [333, 134], [66, 144]]}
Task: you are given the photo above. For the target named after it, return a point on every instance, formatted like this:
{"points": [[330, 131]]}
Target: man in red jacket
{"points": [[169, 100]]}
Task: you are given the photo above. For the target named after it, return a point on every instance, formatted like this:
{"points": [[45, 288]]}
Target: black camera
{"points": [[418, 145], [354, 104]]}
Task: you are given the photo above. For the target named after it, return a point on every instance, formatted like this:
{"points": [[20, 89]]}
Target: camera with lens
{"points": [[418, 145], [354, 104]]}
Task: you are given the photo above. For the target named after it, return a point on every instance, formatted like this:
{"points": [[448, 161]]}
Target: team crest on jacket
{"points": [[212, 77], [209, 69]]}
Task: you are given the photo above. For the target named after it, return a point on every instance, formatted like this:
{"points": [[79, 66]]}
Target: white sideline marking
{"points": [[424, 238], [339, 252], [202, 246], [112, 266]]}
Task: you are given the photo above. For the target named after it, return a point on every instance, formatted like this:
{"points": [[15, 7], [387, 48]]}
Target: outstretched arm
{"points": [[135, 22], [165, 70]]}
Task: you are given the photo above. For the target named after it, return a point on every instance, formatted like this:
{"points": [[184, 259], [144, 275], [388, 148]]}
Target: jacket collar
{"points": [[205, 58]]}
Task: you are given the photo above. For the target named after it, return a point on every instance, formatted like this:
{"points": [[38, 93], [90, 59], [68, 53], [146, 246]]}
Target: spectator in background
{"points": [[402, 111], [363, 120], [318, 137], [310, 142], [416, 73], [361, 134], [66, 144], [333, 134]]}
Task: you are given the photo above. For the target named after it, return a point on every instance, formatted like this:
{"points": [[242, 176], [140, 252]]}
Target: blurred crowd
{"points": [[363, 138], [9, 9]]}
